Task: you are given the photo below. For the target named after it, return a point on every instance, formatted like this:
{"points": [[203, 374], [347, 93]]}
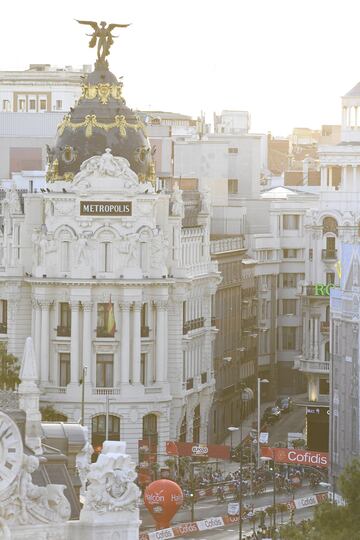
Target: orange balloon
{"points": [[163, 499]]}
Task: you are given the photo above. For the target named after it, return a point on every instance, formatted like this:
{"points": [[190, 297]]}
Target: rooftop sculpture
{"points": [[103, 37]]}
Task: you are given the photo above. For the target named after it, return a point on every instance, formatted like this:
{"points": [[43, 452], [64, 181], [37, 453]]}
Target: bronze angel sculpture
{"points": [[103, 36]]}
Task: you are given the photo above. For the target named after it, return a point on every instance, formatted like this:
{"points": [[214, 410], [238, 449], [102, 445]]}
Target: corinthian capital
{"points": [[161, 304]]}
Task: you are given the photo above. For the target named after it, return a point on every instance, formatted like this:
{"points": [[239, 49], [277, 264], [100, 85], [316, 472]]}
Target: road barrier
{"points": [[182, 529]]}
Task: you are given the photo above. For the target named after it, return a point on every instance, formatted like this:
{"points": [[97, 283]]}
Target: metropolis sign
{"points": [[105, 208]]}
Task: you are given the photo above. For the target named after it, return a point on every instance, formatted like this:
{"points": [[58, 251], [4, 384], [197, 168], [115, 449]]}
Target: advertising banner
{"points": [[296, 457], [175, 448]]}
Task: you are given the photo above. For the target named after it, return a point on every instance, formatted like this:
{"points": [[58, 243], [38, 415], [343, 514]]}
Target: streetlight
{"points": [[259, 381], [232, 429], [84, 370], [265, 458]]}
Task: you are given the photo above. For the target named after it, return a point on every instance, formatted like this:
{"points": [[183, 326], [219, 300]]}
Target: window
{"points": [[104, 370], [58, 104], [42, 104], [233, 150], [289, 307], [149, 431], [290, 281], [144, 321], [233, 186], [105, 320], [143, 377], [330, 278], [291, 222], [311, 254], [290, 253], [183, 429], [22, 105], [64, 328], [330, 225], [6, 105], [288, 338], [105, 257], [32, 104], [196, 424], [99, 430], [3, 316], [64, 369]]}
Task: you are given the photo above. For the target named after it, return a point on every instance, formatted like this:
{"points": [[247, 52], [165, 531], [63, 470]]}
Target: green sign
{"points": [[323, 290]]}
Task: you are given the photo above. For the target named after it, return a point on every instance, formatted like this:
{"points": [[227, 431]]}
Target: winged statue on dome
{"points": [[102, 36]]}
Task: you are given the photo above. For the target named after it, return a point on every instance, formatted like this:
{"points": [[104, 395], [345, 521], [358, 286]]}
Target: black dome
{"points": [[100, 120]]}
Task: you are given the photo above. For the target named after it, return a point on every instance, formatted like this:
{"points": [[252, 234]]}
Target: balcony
{"points": [[105, 391], [311, 366], [103, 332], [145, 331], [63, 331], [329, 254], [324, 327], [194, 324], [3, 328]]}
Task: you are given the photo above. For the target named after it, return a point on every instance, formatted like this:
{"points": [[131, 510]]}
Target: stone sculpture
{"points": [[83, 463], [111, 486], [177, 203]]}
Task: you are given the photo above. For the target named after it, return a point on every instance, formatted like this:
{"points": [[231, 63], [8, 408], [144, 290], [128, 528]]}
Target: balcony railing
{"points": [[104, 332], [145, 331], [3, 328], [106, 391], [311, 366], [193, 324], [325, 327], [329, 254], [63, 331]]}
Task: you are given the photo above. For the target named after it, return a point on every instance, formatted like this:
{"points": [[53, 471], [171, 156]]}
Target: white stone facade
{"points": [[66, 277]]}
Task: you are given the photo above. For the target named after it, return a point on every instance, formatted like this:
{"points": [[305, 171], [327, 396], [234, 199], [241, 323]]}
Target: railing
{"points": [[329, 254], [194, 324], [227, 244], [103, 332], [63, 331], [3, 328], [312, 366], [153, 389], [145, 331], [106, 391], [325, 327], [56, 390]]}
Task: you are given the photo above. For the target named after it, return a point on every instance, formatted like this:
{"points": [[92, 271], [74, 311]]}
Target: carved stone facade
{"points": [[102, 275]]}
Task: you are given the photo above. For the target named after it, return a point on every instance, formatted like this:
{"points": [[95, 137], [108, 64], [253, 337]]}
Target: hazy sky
{"points": [[286, 61]]}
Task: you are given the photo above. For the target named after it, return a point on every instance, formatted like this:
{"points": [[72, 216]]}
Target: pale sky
{"points": [[287, 62]]}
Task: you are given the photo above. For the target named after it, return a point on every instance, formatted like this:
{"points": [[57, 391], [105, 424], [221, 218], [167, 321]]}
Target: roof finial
{"points": [[104, 38]]}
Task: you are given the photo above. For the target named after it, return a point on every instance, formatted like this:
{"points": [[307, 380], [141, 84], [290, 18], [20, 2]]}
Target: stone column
{"points": [[311, 351], [316, 338], [74, 344], [125, 342], [87, 341], [37, 334], [161, 341], [344, 177], [45, 339], [323, 176], [354, 178], [136, 342]]}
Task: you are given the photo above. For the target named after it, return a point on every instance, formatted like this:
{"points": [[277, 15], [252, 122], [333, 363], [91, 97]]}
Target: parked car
{"points": [[271, 415], [285, 404]]}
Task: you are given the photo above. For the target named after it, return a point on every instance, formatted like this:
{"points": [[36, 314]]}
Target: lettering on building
{"points": [[105, 208]]}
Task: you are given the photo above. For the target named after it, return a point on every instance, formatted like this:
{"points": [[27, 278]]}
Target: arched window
{"points": [[99, 431], [150, 433], [330, 225]]}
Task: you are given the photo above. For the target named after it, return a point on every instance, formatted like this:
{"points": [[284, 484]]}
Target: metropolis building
{"points": [[114, 289]]}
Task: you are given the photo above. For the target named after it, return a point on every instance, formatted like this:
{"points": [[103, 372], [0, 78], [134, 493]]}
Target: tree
{"points": [[49, 414], [9, 374], [332, 522]]}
